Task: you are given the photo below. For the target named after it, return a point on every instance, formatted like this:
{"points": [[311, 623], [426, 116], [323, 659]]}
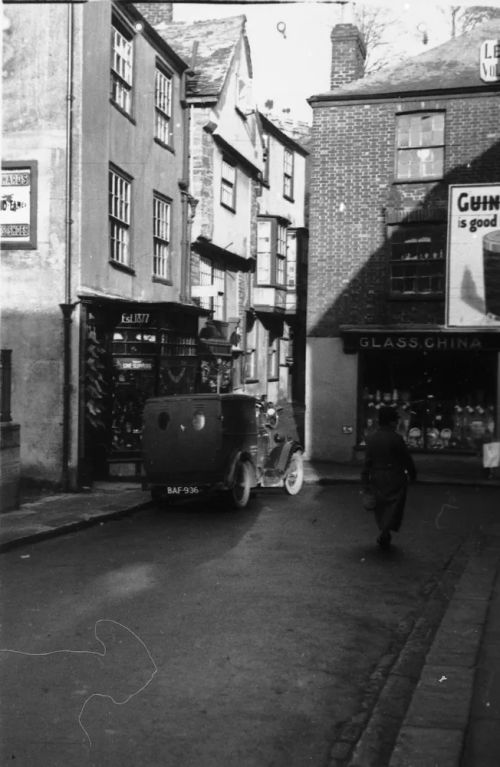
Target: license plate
{"points": [[183, 490]]}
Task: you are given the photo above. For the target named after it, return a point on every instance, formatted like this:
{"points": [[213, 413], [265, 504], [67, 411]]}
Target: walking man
{"points": [[387, 468]]}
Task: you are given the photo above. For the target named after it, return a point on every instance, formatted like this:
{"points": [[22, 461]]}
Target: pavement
{"points": [[453, 716]]}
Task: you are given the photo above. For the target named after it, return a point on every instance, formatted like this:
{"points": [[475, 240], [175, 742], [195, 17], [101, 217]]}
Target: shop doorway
{"points": [[446, 400]]}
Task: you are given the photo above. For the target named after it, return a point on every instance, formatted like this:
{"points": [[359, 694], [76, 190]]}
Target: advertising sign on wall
{"points": [[473, 283], [18, 205]]}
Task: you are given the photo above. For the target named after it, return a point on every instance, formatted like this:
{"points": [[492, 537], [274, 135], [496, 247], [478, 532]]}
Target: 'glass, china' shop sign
{"points": [[420, 342]]}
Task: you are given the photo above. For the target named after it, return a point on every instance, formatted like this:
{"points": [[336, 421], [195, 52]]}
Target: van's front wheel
{"points": [[295, 474], [240, 490]]}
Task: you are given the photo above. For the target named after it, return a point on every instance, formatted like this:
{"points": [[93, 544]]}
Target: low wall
{"points": [[10, 466]]}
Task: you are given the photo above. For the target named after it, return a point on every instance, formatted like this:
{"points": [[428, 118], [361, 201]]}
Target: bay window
{"points": [[215, 276], [271, 252]]}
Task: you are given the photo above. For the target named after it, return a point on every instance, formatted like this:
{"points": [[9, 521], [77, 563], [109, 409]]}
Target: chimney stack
{"points": [[348, 55]]}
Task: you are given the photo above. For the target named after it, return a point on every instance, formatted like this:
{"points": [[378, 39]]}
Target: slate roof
{"points": [[453, 65], [213, 42]]}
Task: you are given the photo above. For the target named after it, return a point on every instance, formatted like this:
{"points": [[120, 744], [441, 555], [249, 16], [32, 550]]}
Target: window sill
{"points": [[228, 207], [121, 267], [251, 380], [161, 280], [287, 197], [274, 379], [122, 111], [426, 180], [415, 297], [161, 143]]}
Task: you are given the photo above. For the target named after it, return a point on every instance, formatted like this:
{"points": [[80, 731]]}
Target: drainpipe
{"points": [[188, 203], [67, 307]]}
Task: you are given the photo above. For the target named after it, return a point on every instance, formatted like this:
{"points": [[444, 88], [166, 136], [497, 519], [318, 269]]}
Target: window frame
{"points": [[216, 305], [288, 173], [273, 357], [163, 117], [162, 255], [228, 184], [266, 140], [120, 220], [251, 346], [418, 253], [122, 81], [277, 254], [400, 151]]}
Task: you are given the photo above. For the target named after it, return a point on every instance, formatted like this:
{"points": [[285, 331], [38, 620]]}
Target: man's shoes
{"points": [[384, 539]]}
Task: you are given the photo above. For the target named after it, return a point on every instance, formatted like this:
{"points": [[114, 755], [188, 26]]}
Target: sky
{"points": [[290, 41]]}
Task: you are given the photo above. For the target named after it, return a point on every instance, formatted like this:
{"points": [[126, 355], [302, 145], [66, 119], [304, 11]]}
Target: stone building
{"points": [[405, 198], [249, 179], [132, 179], [96, 304]]}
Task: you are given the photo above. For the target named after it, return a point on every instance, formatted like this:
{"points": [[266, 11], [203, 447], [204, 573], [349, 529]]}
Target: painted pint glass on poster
{"points": [[473, 283]]}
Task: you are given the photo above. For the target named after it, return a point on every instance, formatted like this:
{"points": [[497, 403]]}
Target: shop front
{"points": [[132, 352], [443, 384]]}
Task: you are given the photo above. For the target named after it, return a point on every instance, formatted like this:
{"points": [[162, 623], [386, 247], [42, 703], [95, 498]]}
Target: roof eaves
{"points": [[362, 97], [159, 41], [270, 127]]}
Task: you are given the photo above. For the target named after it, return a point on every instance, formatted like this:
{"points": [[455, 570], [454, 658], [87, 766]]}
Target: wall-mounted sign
{"points": [[135, 319], [419, 341], [473, 280], [489, 61], [133, 363], [18, 205]]}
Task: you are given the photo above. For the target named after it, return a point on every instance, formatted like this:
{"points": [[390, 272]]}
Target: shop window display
{"points": [[444, 402], [146, 363]]}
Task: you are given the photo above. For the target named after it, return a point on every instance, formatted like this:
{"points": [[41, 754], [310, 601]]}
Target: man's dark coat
{"points": [[387, 468]]}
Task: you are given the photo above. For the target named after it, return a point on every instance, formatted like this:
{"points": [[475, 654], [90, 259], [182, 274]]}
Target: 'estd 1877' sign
{"points": [[489, 61]]}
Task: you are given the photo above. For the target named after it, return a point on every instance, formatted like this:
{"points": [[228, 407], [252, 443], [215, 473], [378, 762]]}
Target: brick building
{"points": [[400, 308]]}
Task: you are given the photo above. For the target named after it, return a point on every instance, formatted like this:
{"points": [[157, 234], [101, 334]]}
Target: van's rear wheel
{"points": [[240, 490], [295, 474]]}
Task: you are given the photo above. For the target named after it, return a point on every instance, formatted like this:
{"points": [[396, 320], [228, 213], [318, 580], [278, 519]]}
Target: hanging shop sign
{"points": [[18, 205], [489, 61], [358, 341], [473, 280]]}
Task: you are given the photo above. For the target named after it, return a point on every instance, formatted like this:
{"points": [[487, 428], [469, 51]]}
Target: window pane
{"points": [[161, 238], [280, 270], [281, 242], [163, 87], [263, 268], [420, 163]]}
